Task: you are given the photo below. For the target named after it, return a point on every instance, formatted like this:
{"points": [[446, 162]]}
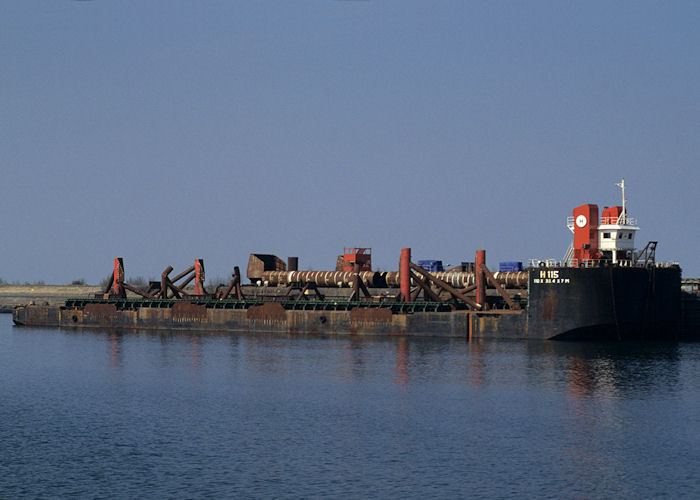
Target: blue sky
{"points": [[164, 131]]}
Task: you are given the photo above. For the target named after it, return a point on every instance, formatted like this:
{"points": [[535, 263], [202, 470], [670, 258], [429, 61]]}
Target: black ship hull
{"points": [[563, 303], [605, 303]]}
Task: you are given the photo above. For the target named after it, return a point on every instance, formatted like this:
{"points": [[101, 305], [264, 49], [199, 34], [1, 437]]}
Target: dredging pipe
{"points": [[390, 279]]}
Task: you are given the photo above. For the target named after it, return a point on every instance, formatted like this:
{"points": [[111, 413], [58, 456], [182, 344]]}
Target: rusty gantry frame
{"points": [[455, 289]]}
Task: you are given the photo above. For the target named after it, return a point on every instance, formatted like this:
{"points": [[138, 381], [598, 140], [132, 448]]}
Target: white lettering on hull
{"points": [[550, 277]]}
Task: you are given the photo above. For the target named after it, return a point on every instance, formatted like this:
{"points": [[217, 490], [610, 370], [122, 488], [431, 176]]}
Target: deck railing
{"points": [[596, 263], [605, 221]]}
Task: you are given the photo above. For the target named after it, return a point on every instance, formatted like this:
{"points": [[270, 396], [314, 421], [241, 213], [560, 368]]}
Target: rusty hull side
{"points": [[272, 317], [269, 317], [501, 324], [36, 315]]}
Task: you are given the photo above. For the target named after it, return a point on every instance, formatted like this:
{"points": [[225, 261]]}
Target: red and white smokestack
{"points": [[585, 233]]}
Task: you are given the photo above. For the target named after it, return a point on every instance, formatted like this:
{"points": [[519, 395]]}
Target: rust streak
{"points": [[370, 315], [187, 310], [101, 310], [269, 311]]}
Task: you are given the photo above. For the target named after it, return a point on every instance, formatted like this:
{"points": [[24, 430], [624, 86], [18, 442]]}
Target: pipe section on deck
{"points": [[318, 278], [385, 279]]}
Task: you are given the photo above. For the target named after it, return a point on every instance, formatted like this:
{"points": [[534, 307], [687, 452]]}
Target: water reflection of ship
{"points": [[402, 362], [584, 369], [115, 349], [613, 369], [195, 353], [596, 377], [417, 360]]}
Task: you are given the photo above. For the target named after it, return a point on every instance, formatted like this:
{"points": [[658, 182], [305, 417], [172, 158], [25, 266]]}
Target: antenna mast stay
{"points": [[622, 219]]}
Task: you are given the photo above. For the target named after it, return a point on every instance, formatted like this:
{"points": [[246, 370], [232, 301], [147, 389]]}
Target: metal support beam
{"points": [[117, 289], [357, 284], [229, 288], [182, 274], [426, 289], [136, 291], [456, 293], [237, 278], [405, 273], [164, 282], [108, 286], [480, 279], [199, 277], [494, 282]]}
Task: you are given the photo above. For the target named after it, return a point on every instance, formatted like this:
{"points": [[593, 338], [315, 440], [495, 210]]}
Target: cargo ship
{"points": [[603, 289]]}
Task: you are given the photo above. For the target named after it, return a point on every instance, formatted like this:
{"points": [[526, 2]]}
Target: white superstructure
{"points": [[616, 231]]}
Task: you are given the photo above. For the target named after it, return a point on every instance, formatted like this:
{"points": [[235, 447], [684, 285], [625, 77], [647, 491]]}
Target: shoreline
{"points": [[19, 295], [12, 296]]}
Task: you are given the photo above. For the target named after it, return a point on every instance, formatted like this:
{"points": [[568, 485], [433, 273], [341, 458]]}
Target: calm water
{"points": [[95, 414]]}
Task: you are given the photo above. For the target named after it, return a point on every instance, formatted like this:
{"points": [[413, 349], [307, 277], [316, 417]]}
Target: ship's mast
{"points": [[622, 219]]}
